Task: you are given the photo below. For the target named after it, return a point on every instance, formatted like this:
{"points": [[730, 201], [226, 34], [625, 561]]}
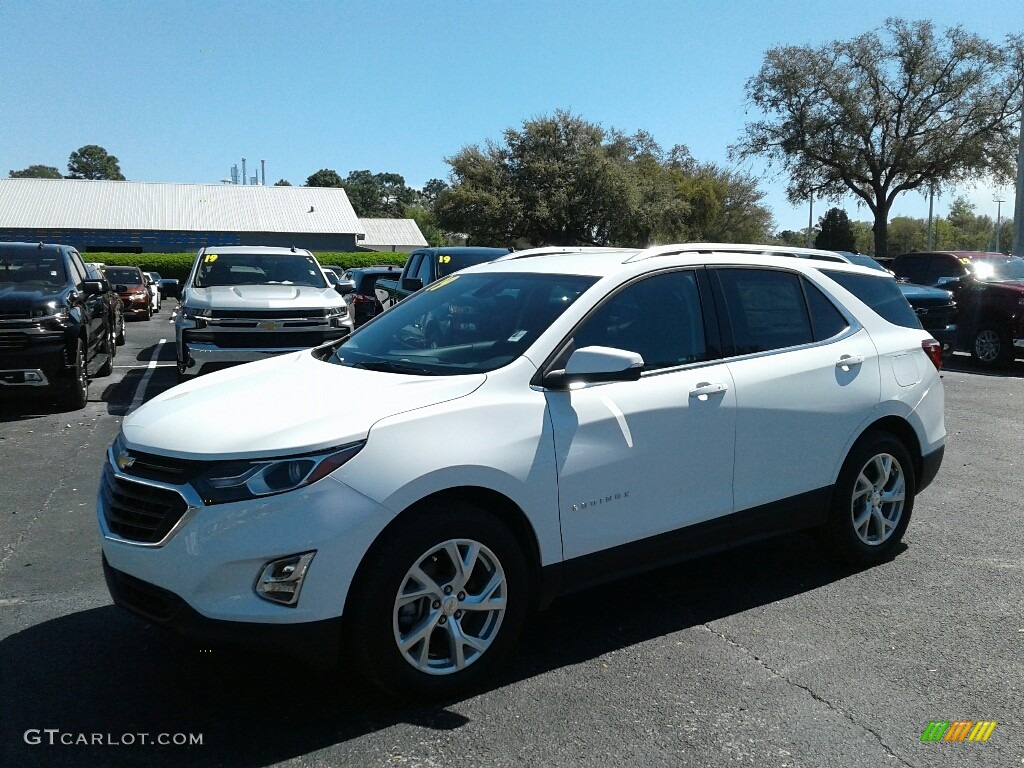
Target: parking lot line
{"points": [[140, 393]]}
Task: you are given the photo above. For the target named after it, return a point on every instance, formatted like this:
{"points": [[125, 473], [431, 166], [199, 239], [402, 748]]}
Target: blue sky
{"points": [[181, 91]]}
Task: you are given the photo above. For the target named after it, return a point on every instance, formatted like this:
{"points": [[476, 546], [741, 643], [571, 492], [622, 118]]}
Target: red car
{"points": [[131, 287]]}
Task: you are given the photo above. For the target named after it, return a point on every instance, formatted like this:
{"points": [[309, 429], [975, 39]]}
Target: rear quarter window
{"points": [[881, 294]]}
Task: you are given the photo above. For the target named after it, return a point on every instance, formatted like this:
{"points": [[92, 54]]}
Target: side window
{"points": [[826, 320], [425, 270], [414, 266], [77, 269], [658, 317], [943, 266], [765, 309]]}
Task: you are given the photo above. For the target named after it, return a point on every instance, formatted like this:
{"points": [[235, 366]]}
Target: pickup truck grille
{"points": [[268, 314], [14, 316], [267, 340], [138, 512], [935, 315], [13, 341]]}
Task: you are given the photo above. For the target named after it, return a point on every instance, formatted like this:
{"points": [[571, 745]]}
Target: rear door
{"points": [[806, 375]]}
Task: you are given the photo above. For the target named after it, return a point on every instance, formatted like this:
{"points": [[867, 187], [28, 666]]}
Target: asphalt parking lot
{"points": [[767, 656]]}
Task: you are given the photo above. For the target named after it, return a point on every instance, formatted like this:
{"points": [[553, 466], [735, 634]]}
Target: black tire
{"points": [[149, 312], [374, 619], [182, 376], [119, 340], [991, 347], [76, 393], [860, 492], [109, 346]]}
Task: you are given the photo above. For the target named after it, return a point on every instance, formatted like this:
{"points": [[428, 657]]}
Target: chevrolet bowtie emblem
{"points": [[124, 460], [268, 325]]}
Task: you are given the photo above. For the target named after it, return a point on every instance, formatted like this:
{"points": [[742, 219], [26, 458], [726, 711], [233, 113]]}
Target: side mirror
{"points": [[345, 287], [412, 283], [590, 365], [121, 288], [93, 287], [949, 282]]}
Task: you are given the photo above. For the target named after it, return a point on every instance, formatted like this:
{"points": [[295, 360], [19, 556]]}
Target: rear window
{"points": [[882, 294], [124, 275]]}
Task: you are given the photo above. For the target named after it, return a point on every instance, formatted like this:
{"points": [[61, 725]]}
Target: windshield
{"points": [[258, 269], [996, 270], [462, 324], [861, 260], [123, 276], [32, 270]]}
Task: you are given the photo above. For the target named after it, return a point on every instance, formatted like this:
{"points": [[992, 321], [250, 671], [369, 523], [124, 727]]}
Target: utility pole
{"points": [[1018, 208], [999, 218], [931, 203], [810, 219]]}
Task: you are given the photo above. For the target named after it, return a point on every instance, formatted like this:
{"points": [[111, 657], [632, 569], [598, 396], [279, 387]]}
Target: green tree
{"points": [[836, 231], [790, 237], [427, 224], [378, 195], [284, 183], [36, 172], [889, 111], [94, 162], [907, 234], [725, 206], [863, 237], [429, 194], [325, 177]]}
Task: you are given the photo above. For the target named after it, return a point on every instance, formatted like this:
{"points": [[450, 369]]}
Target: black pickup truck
{"points": [[430, 264], [55, 327]]}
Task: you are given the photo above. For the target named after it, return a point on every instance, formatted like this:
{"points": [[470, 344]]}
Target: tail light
{"points": [[933, 349], [361, 298]]}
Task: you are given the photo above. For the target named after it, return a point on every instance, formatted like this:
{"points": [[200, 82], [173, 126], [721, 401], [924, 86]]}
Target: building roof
{"points": [[391, 232], [137, 205]]}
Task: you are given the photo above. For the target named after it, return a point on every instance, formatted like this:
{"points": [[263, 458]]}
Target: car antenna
{"points": [[293, 249], [40, 245]]}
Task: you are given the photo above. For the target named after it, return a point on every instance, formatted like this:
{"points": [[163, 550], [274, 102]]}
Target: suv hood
{"points": [[283, 405], [262, 297], [913, 292], [17, 299]]}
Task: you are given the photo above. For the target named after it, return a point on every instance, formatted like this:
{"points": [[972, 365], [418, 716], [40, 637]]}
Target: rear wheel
{"points": [[108, 367], [991, 347], [120, 339], [872, 500], [440, 601]]}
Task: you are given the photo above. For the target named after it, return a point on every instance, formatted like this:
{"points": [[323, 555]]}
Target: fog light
{"points": [[32, 376], [281, 580]]}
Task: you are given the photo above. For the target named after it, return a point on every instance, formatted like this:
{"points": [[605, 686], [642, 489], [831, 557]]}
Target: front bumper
{"points": [[33, 359], [316, 641], [212, 559], [945, 336], [197, 355]]}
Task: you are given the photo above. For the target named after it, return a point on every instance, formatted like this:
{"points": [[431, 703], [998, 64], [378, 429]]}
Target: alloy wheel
{"points": [[879, 495], [450, 606], [987, 346]]}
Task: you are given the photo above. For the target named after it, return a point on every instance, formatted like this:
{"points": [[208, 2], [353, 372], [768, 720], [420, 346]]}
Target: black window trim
{"points": [[853, 327], [712, 336]]}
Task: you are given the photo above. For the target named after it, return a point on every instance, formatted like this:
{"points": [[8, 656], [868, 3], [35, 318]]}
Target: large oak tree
{"points": [[896, 109]]}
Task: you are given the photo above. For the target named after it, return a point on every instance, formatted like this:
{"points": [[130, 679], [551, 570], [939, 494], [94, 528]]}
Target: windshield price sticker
{"points": [[444, 259], [442, 283], [210, 258]]}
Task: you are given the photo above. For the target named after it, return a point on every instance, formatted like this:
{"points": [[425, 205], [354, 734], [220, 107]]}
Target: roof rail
{"points": [[746, 248], [557, 250]]}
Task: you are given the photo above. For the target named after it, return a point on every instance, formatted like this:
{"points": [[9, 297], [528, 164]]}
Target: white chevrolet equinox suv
{"points": [[515, 431]]}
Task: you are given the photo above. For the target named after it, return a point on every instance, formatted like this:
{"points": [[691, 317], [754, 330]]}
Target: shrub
{"points": [[178, 265]]}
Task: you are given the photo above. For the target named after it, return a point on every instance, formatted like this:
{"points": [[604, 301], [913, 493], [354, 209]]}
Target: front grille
{"points": [[15, 315], [275, 340], [935, 316], [139, 512], [13, 341], [267, 314], [163, 468], [140, 596]]}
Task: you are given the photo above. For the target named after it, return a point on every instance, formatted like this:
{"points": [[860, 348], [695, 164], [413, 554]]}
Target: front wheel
{"points": [[76, 393], [439, 602], [872, 500], [991, 347]]}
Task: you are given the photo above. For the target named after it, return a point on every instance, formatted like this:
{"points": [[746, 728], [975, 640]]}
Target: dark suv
{"points": [[55, 329], [364, 303], [989, 291]]}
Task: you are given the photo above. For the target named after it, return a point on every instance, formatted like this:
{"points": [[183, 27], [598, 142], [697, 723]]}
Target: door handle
{"points": [[848, 361], [704, 389]]}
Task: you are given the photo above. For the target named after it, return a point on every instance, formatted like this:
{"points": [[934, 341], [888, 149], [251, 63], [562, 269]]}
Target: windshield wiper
{"points": [[390, 366]]}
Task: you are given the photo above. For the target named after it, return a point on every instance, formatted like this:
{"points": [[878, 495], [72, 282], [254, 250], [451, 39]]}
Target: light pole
{"points": [[931, 201], [999, 217], [810, 218]]}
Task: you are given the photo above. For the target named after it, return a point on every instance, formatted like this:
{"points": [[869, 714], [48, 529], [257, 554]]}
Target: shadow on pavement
{"points": [[104, 671], [962, 363]]}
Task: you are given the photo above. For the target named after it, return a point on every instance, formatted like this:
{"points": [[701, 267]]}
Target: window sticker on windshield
{"points": [[516, 336], [965, 261], [444, 259], [210, 257], [441, 283]]}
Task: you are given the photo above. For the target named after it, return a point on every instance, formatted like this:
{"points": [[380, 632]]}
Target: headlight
{"points": [[336, 315], [249, 479]]}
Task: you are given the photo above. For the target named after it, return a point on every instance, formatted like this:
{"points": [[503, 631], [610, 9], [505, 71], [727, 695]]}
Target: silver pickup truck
{"points": [[243, 303]]}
